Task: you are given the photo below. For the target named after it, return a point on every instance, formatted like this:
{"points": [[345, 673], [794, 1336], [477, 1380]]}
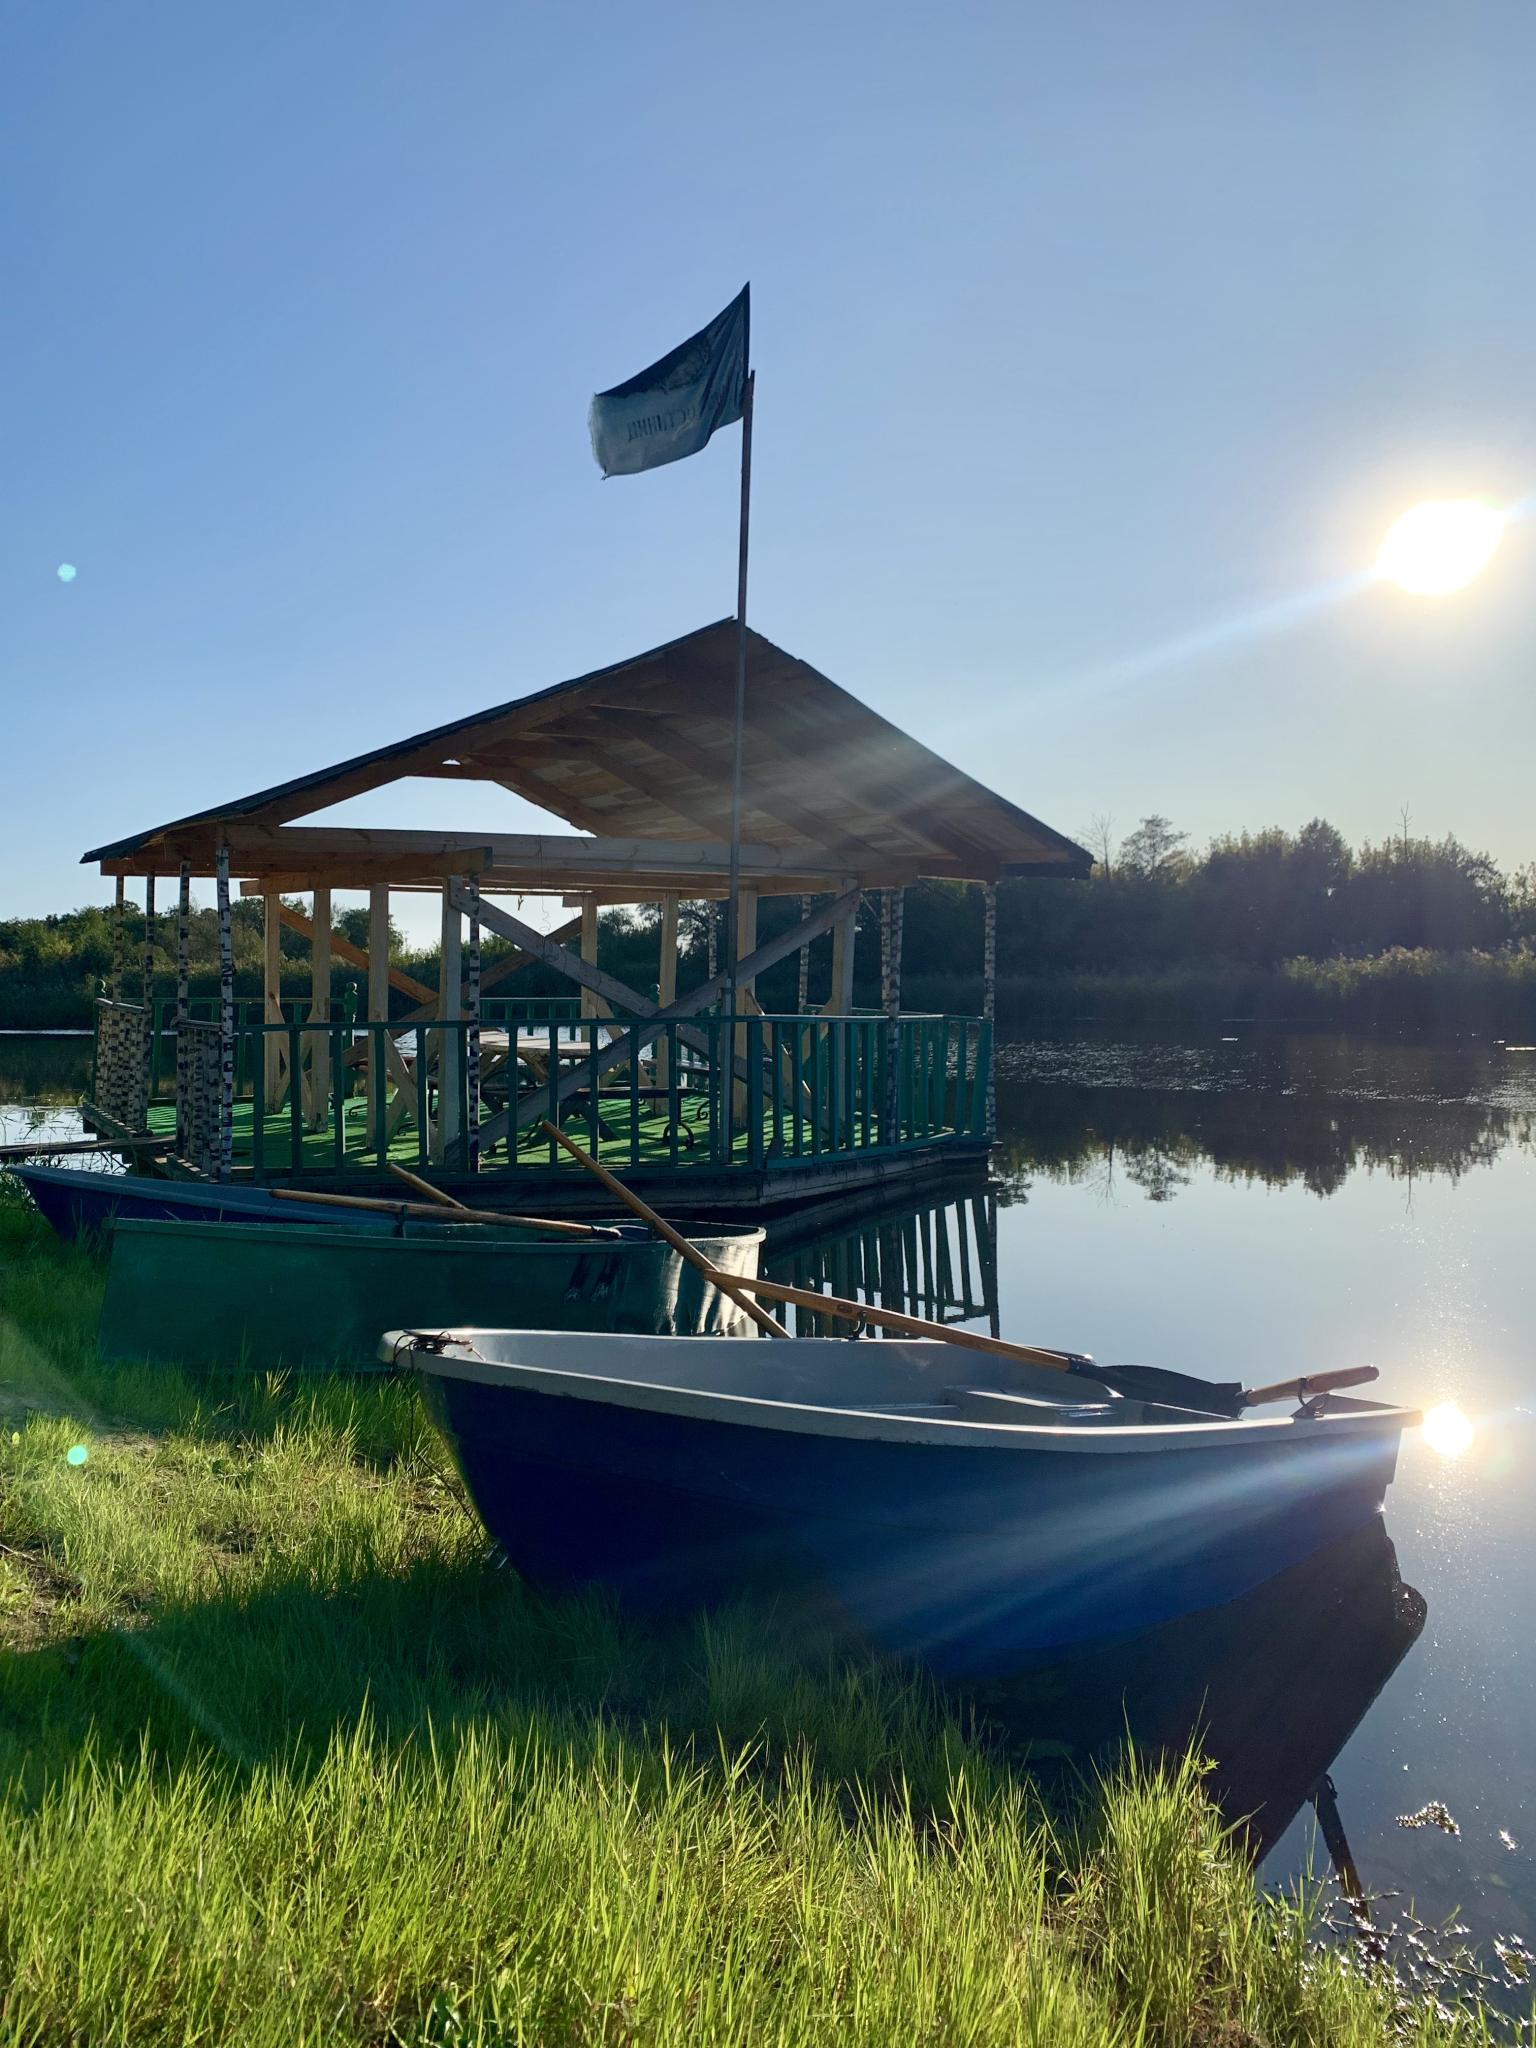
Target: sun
{"points": [[1440, 546], [1447, 1430]]}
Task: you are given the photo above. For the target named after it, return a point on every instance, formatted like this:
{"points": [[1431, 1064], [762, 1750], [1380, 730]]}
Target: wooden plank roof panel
{"points": [[642, 750]]}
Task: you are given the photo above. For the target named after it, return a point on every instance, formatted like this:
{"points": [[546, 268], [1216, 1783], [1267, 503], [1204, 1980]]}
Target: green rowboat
{"points": [[269, 1295]]}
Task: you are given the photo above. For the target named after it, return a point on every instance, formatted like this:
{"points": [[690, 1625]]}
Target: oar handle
{"points": [[729, 1284], [907, 1326], [1313, 1383]]}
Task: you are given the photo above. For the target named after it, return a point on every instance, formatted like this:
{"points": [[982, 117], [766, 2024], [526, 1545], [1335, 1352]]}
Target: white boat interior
{"points": [[907, 1389]]}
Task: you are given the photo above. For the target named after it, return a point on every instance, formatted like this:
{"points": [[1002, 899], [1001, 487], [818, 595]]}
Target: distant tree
{"points": [[1099, 839], [1418, 892], [1263, 897], [352, 923], [1155, 851]]}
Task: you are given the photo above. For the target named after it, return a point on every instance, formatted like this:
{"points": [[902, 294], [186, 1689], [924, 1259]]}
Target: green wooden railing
{"points": [[751, 1090]]}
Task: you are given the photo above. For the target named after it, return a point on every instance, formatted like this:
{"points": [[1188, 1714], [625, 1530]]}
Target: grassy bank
{"points": [[285, 1760]]}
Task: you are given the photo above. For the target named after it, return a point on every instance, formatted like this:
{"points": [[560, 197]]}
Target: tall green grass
{"points": [[285, 1759]]}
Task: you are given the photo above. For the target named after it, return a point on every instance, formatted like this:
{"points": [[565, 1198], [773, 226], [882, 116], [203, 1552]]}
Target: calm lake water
{"points": [[1247, 1208], [1253, 1207]]}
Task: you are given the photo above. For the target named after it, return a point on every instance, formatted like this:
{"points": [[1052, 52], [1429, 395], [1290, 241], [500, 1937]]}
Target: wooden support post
{"points": [[119, 937], [183, 991], [891, 905], [448, 1128], [378, 955], [151, 1037], [226, 1148], [844, 938], [589, 951], [183, 940], [803, 986], [666, 982], [989, 993], [149, 945], [472, 1013], [272, 1055], [320, 1012], [746, 988]]}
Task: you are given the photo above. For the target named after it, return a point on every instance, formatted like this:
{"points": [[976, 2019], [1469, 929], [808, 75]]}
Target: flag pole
{"points": [[734, 902]]}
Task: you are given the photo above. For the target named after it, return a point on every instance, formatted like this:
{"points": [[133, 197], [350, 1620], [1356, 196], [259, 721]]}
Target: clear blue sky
{"points": [[1080, 332]]}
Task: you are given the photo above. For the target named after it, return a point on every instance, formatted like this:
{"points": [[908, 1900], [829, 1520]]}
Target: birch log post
{"points": [[183, 940], [989, 994], [891, 906], [183, 995], [226, 1020], [472, 1013], [148, 1054]]}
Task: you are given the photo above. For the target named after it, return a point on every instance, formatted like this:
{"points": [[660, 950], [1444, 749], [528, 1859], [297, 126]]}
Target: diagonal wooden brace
{"points": [[541, 1102]]}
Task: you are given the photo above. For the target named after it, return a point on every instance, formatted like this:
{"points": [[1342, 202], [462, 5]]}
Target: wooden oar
{"points": [[1142, 1382], [424, 1187], [729, 1284], [429, 1212]]}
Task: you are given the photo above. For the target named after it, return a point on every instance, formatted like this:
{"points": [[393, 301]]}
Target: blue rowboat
{"points": [[83, 1204], [958, 1507]]}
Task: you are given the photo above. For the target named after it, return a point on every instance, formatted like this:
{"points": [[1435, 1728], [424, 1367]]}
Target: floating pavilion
{"points": [[716, 1110]]}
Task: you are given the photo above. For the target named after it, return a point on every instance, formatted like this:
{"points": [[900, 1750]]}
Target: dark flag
{"points": [[671, 409]]}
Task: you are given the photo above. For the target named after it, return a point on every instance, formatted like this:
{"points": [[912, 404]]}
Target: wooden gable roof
{"points": [[640, 756]]}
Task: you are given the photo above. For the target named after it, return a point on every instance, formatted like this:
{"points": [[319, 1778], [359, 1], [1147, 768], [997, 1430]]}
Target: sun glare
{"points": [[1440, 546], [1447, 1430]]}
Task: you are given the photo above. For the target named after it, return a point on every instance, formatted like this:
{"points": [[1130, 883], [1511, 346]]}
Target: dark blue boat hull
{"points": [[971, 1559], [83, 1204]]}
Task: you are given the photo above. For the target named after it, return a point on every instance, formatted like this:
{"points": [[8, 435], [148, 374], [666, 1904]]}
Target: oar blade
{"points": [[1168, 1389]]}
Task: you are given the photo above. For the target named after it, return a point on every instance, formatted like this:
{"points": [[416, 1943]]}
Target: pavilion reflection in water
{"points": [[938, 1261]]}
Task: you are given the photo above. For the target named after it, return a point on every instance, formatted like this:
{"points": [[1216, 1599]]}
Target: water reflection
{"points": [[1139, 1120], [938, 1260], [1271, 1686]]}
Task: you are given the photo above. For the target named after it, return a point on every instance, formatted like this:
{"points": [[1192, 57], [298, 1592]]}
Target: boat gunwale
{"points": [[371, 1236], [455, 1360]]}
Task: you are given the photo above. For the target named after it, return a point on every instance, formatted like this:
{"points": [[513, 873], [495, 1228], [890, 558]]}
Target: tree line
{"points": [[1300, 915]]}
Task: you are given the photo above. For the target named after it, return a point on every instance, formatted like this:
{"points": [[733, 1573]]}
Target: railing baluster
{"points": [[634, 1094], [339, 1095], [376, 1085], [593, 1077], [424, 1090], [259, 1106], [674, 1092], [817, 1030], [755, 1109]]}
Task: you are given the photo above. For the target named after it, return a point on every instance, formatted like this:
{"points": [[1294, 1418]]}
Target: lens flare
{"points": [[1440, 546], [1447, 1430], [66, 572]]}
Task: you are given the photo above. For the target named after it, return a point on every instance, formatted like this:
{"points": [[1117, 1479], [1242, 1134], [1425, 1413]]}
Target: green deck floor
{"points": [[618, 1148]]}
